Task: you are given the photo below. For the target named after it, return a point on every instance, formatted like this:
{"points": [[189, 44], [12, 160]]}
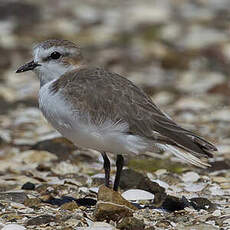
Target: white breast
{"points": [[108, 136]]}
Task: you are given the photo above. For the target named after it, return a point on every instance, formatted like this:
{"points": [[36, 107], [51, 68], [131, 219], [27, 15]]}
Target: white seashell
{"points": [[190, 177], [216, 190], [83, 189], [99, 175], [137, 194], [98, 226], [195, 187], [94, 189], [13, 227], [161, 183]]}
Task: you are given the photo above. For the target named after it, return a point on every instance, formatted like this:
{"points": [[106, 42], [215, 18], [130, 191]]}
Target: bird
{"points": [[101, 110]]}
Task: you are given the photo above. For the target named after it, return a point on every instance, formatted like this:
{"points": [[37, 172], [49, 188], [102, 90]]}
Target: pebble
{"points": [[39, 220], [111, 205], [36, 157], [199, 203], [65, 168], [17, 197], [13, 227], [161, 183], [59, 146], [216, 213], [216, 190], [172, 203], [195, 187], [94, 189], [28, 186], [137, 194], [131, 179], [32, 202], [98, 226], [70, 206], [131, 223], [190, 177]]}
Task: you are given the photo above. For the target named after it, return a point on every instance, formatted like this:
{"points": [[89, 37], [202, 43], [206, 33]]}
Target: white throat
{"points": [[51, 71]]}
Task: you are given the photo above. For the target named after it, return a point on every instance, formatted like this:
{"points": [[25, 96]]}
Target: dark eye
{"points": [[55, 55]]}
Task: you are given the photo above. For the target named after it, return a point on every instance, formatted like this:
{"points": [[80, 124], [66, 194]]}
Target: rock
{"points": [[2, 206], [111, 205], [172, 203], [137, 194], [109, 211], [131, 223], [59, 146], [6, 187], [11, 217], [108, 195], [32, 202], [36, 157], [18, 197], [86, 202], [39, 220], [163, 224], [13, 227], [28, 186], [199, 203], [70, 206], [131, 179], [98, 180], [196, 227], [64, 168], [17, 205]]}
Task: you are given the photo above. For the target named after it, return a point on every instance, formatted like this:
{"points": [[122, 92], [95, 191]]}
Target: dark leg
{"points": [[119, 165], [106, 168]]}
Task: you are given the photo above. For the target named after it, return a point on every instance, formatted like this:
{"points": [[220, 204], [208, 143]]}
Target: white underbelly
{"points": [[108, 136]]}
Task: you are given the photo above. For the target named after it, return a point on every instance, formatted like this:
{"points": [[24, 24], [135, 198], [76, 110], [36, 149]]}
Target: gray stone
{"points": [[18, 197], [43, 219]]}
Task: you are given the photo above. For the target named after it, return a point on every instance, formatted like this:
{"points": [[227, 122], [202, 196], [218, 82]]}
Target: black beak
{"points": [[28, 66]]}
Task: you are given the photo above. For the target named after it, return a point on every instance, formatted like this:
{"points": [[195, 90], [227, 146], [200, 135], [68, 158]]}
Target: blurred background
{"points": [[178, 51]]}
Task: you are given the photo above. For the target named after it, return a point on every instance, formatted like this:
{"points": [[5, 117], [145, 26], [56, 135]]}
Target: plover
{"points": [[101, 110]]}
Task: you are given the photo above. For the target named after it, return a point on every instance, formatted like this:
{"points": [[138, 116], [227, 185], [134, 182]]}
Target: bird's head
{"points": [[52, 59]]}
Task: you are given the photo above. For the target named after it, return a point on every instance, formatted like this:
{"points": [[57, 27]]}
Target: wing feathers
{"points": [[106, 94]]}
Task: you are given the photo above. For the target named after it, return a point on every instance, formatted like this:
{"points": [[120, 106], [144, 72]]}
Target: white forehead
{"points": [[39, 52]]}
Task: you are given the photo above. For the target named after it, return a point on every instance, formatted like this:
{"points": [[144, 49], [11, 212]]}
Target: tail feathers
{"points": [[203, 144], [189, 157]]}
